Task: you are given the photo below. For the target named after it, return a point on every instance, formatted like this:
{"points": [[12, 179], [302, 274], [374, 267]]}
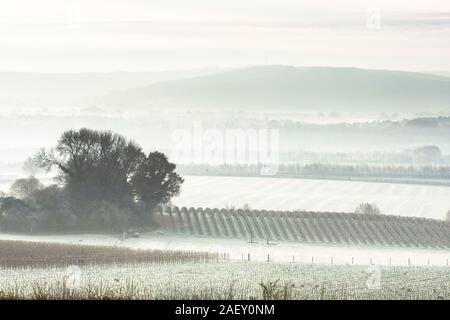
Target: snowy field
{"points": [[289, 194], [308, 194], [314, 195], [227, 280], [228, 277], [276, 252]]}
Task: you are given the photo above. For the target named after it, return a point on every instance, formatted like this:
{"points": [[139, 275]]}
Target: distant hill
{"points": [[27, 89], [441, 73], [297, 89]]}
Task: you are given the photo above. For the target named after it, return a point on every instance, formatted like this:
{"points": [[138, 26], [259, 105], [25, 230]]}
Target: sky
{"points": [[142, 35]]}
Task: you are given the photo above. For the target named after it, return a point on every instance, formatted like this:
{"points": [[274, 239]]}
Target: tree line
{"points": [[322, 169], [104, 182]]}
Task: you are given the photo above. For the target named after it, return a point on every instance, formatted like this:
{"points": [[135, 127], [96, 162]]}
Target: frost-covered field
{"points": [[309, 194], [237, 249], [294, 271], [228, 280], [314, 195]]}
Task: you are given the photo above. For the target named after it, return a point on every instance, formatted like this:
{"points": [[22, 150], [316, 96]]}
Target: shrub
{"points": [[107, 216], [367, 208], [44, 209], [53, 206], [16, 215], [24, 188]]}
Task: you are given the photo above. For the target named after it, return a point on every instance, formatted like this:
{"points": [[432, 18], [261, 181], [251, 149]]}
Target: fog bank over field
{"points": [[362, 109], [158, 131]]}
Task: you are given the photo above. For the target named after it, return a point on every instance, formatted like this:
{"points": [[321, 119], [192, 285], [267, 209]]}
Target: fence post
{"points": [[248, 256], [268, 257], [293, 259], [352, 260]]}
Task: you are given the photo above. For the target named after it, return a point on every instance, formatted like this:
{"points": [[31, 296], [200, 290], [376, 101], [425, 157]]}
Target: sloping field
{"points": [[312, 227], [314, 195]]}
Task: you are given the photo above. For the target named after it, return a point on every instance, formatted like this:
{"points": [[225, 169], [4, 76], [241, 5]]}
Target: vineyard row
{"points": [[312, 227]]}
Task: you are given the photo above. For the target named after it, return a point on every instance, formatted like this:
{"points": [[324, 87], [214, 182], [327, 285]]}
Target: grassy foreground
{"points": [[113, 273]]}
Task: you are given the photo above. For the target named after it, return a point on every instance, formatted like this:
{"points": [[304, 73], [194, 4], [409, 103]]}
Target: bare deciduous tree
{"points": [[24, 188], [98, 167]]}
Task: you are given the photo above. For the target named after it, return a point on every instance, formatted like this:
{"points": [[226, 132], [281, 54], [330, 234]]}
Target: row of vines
{"points": [[314, 227]]}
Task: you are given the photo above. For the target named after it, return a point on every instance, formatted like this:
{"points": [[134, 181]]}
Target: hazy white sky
{"points": [[108, 35]]}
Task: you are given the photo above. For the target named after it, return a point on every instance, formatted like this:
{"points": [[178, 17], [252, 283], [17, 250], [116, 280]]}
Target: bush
{"points": [[16, 215], [107, 216], [24, 188], [367, 208], [53, 206], [49, 209], [44, 209]]}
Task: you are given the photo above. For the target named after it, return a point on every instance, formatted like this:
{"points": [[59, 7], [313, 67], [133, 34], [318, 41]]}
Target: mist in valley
{"points": [[216, 137]]}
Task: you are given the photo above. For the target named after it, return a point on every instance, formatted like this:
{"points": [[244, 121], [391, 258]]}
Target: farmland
{"points": [[269, 193], [16, 254], [169, 264], [224, 279], [314, 195], [312, 227], [238, 249]]}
